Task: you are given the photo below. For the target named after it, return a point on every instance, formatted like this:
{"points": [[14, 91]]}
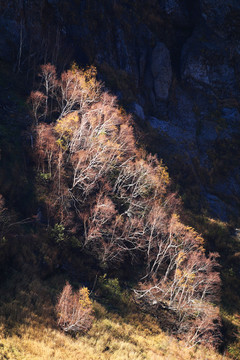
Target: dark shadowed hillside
{"points": [[119, 136]]}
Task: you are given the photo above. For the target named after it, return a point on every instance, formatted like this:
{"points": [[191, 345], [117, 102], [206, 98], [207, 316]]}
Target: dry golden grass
{"points": [[134, 337]]}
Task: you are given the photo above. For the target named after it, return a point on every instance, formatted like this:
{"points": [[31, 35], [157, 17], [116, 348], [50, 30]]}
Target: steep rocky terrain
{"points": [[174, 63]]}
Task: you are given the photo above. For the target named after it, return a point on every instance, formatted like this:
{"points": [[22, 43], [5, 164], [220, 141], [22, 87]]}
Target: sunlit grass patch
{"points": [[111, 337]]}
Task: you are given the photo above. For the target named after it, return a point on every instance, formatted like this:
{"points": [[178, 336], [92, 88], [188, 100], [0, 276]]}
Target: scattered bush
{"points": [[111, 290], [74, 310], [57, 233]]}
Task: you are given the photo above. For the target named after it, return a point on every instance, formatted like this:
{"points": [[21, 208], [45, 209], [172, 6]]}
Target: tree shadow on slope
{"points": [[16, 172]]}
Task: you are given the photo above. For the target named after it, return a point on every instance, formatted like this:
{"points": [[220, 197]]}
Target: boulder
{"points": [[206, 64], [217, 207], [181, 111], [196, 69], [138, 110], [177, 11], [161, 71], [175, 133], [222, 16]]}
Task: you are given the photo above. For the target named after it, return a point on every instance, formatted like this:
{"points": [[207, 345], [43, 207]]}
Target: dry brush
{"points": [[119, 196]]}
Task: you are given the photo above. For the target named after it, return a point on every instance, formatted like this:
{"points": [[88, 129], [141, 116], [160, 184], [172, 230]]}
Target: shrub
{"points": [[57, 233], [116, 200], [110, 288], [74, 310]]}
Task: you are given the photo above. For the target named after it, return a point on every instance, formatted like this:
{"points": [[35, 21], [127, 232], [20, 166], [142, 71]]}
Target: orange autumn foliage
{"points": [[117, 197]]}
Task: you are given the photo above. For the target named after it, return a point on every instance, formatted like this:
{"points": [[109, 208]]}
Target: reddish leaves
{"points": [[119, 196]]}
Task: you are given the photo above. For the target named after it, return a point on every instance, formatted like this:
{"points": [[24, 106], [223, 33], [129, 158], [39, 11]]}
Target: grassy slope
{"points": [[28, 329], [110, 338]]}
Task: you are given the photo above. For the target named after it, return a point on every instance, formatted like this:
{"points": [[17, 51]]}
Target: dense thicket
{"points": [[113, 198]]}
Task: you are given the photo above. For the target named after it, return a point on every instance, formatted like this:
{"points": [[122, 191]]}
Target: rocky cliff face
{"points": [[174, 62]]}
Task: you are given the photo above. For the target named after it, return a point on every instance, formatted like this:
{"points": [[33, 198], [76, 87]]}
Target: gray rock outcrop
{"points": [[161, 71], [174, 62]]}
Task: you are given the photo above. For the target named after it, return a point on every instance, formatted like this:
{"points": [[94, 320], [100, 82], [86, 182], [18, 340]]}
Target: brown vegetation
{"points": [[74, 310], [115, 197]]}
